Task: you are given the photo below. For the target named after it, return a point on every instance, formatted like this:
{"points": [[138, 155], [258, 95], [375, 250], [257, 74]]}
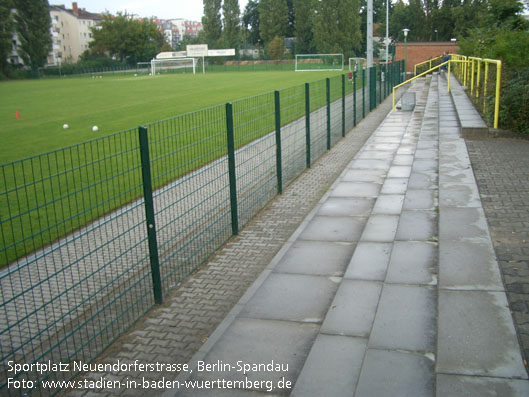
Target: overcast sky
{"points": [[163, 9]]}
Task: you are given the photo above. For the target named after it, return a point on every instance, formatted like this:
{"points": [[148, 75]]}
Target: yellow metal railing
{"points": [[469, 69], [429, 62]]}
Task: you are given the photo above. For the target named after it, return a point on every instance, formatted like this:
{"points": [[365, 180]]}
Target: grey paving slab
{"points": [[459, 195], [353, 309], [394, 186], [458, 223], [369, 262], [380, 228], [253, 341], [375, 175], [423, 180], [370, 164], [389, 204], [420, 199], [425, 165], [334, 228], [356, 189], [413, 262], [336, 206], [316, 258], [403, 159], [468, 265], [372, 155], [332, 367], [417, 225], [476, 335], [292, 297], [405, 319], [467, 386], [388, 373], [399, 171]]}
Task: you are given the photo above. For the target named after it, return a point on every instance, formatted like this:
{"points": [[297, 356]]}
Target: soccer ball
{"points": [[135, 74], [65, 126], [95, 128]]}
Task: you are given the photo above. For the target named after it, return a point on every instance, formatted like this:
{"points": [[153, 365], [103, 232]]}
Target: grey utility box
{"points": [[408, 101]]}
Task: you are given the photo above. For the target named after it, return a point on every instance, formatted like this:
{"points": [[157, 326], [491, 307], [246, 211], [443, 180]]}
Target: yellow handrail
{"points": [[427, 61]]}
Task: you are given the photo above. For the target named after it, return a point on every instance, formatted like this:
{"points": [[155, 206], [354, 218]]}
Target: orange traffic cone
{"points": [[18, 115]]}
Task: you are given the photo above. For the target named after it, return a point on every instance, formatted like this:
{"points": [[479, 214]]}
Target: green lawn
{"points": [[46, 197], [116, 103]]}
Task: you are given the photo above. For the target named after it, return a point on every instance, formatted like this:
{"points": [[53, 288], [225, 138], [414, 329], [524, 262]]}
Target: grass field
{"points": [[116, 103], [47, 197]]}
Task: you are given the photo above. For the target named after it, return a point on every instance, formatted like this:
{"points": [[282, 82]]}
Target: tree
{"points": [[32, 23], [337, 26], [211, 22], [127, 39], [273, 19], [276, 48], [250, 21], [232, 20], [304, 11], [6, 33]]}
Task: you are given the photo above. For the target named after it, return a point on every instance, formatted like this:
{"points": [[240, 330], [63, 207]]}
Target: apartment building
{"points": [[71, 34]]}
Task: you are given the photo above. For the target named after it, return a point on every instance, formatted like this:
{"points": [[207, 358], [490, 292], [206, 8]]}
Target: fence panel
{"points": [[318, 119], [69, 300]]}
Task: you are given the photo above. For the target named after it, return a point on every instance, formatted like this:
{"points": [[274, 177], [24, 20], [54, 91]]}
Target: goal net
{"points": [[356, 64], [318, 62], [173, 65]]}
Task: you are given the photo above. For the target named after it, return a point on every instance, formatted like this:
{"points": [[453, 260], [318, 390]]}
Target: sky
{"points": [[163, 9]]}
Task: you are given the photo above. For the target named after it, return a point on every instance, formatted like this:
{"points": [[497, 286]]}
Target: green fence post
{"points": [[343, 105], [354, 98], [363, 93], [372, 88], [149, 215], [278, 144], [307, 122], [379, 84], [231, 169], [328, 84]]}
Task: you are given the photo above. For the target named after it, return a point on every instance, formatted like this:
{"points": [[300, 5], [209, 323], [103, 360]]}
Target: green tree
{"points": [[32, 23], [304, 11], [250, 21], [127, 39], [6, 33], [211, 22], [276, 48], [273, 19], [231, 26], [337, 26]]}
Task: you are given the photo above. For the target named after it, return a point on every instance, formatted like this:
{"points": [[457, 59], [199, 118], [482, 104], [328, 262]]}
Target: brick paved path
{"points": [[501, 167]]}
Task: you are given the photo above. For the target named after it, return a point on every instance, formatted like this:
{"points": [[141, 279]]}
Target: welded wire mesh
{"points": [[90, 280], [293, 132], [191, 196], [318, 119], [255, 157], [336, 109]]}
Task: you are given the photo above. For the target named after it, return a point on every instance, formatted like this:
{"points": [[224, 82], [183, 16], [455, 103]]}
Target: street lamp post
{"points": [[405, 30], [436, 35]]}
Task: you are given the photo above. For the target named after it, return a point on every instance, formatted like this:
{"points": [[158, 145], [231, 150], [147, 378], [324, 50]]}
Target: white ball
{"points": [[135, 74], [65, 126], [95, 128]]}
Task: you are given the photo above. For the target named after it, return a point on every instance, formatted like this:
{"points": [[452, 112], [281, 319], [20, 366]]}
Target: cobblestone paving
{"points": [[173, 332], [501, 167]]}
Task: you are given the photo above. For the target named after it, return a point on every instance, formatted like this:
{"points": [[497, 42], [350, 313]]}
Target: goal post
{"points": [[356, 63], [173, 65], [319, 62]]}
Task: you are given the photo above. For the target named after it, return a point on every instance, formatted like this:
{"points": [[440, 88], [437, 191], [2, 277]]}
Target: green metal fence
{"points": [[96, 234]]}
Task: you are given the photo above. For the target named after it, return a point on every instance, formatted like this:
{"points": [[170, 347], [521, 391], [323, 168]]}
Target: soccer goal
{"points": [[318, 62], [173, 65], [356, 63]]}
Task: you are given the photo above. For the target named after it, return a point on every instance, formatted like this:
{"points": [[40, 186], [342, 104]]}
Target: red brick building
{"points": [[422, 51]]}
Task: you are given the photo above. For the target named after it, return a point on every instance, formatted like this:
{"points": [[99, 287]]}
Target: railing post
{"points": [[278, 144], [372, 88], [354, 98], [149, 215], [307, 123], [363, 93], [231, 169], [328, 85], [343, 105]]}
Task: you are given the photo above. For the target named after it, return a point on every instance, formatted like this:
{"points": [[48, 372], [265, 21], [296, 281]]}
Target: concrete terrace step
{"points": [[390, 287], [472, 125]]}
